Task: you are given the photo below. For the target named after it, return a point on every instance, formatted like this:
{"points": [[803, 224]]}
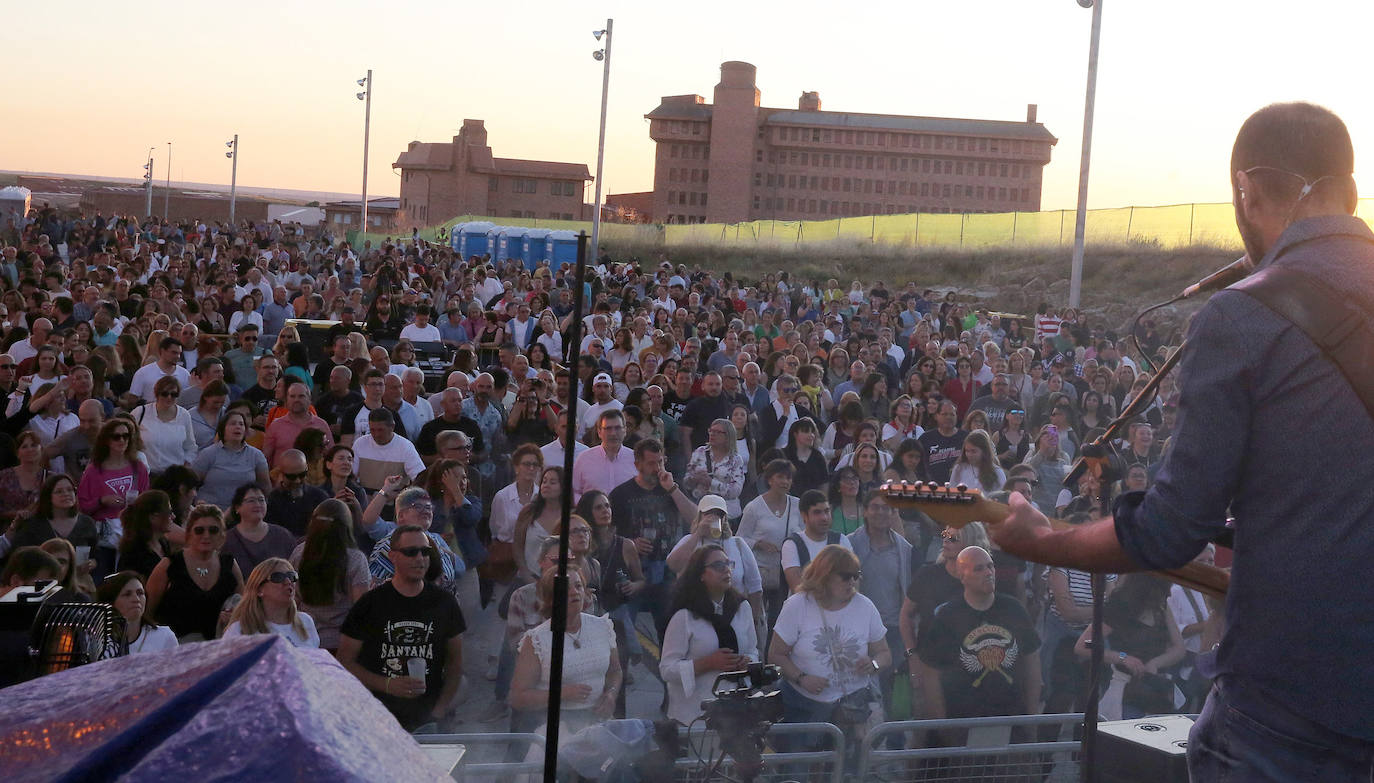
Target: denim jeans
{"points": [[1255, 738]]}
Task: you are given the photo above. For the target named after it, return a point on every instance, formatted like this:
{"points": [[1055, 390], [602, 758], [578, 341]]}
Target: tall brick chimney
{"points": [[809, 101], [1031, 110]]}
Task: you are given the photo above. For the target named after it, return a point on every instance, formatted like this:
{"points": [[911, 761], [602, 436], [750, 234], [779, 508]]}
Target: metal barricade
{"points": [[1005, 749], [489, 756], [825, 765]]}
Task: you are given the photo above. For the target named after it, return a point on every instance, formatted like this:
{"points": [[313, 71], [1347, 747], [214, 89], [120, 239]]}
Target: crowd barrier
{"points": [[1166, 227], [1006, 749]]}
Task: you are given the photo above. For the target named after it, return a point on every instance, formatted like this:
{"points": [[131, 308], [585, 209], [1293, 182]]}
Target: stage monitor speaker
{"points": [[1144, 750]]}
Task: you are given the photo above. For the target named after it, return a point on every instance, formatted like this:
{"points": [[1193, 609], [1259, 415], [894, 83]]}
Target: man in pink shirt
{"points": [[609, 465], [282, 432]]}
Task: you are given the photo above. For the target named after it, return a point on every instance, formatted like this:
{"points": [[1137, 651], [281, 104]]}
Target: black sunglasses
{"points": [[414, 551], [119, 436], [850, 576], [295, 476], [282, 577], [205, 531], [167, 394]]}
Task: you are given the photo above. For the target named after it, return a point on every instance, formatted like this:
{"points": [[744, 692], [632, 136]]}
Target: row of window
{"points": [[683, 219], [529, 213], [857, 185], [827, 207], [679, 127], [531, 187], [687, 198], [891, 163], [689, 175], [346, 219], [908, 140], [692, 151]]}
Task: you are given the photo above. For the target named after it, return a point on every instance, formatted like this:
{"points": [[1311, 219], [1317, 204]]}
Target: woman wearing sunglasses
{"points": [[113, 478], [831, 645], [165, 428], [187, 591], [269, 606]]}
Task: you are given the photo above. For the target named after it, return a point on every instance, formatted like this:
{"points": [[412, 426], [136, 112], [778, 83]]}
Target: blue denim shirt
{"points": [[1270, 429]]}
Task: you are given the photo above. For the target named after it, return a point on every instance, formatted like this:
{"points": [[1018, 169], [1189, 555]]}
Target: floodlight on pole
{"points": [[604, 57], [1081, 218], [233, 154], [366, 96]]}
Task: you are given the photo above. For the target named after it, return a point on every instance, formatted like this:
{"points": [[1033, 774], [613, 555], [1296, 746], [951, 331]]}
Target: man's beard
{"points": [[1250, 237]]}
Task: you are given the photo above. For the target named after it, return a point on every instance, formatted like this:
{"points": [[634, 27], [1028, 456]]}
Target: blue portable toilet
{"points": [[562, 249], [455, 238], [510, 243], [536, 247], [475, 238]]}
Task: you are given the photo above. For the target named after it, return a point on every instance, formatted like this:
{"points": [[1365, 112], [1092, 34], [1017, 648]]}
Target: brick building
{"points": [[348, 215], [733, 160], [183, 205], [445, 179]]}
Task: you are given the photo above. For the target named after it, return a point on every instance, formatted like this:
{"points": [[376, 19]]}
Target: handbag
{"points": [[500, 563], [1152, 694], [854, 709]]}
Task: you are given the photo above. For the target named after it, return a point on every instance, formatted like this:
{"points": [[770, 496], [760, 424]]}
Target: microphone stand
{"points": [[558, 620], [1096, 457]]}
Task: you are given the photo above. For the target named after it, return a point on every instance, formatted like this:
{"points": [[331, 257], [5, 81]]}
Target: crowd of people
{"points": [[172, 447]]}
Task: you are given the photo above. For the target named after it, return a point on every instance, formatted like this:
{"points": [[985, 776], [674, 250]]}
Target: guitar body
{"points": [[958, 505]]}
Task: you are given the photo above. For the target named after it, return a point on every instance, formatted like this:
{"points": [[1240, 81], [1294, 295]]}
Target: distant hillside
{"points": [[284, 194]]}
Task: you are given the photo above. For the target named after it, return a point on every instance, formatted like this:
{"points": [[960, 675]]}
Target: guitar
{"points": [[958, 505]]}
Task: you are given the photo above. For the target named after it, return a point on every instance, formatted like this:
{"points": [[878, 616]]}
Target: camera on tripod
{"points": [[741, 715]]}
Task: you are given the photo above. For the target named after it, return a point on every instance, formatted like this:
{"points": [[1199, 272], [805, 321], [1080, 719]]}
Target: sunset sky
{"points": [[93, 85]]}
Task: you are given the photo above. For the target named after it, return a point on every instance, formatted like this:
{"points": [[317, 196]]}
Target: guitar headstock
{"points": [[950, 505]]}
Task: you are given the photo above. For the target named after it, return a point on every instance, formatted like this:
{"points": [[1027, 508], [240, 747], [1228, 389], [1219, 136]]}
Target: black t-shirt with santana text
{"points": [[394, 628]]}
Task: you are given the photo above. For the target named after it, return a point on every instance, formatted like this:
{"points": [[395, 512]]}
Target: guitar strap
{"points": [[1339, 325]]}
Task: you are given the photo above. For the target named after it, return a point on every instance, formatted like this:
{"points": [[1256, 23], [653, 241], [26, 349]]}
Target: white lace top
{"points": [[586, 656]]}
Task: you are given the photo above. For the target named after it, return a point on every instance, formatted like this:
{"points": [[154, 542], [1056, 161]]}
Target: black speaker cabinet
{"points": [[1144, 750]]}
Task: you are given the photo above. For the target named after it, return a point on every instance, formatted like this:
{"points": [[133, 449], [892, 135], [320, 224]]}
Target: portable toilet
{"points": [[562, 249], [475, 238], [455, 237], [536, 247], [14, 208], [510, 243]]}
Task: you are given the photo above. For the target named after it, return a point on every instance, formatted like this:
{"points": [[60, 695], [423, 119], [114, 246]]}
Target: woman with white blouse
{"points": [[165, 428], [717, 468], [712, 630], [125, 592], [711, 527]]}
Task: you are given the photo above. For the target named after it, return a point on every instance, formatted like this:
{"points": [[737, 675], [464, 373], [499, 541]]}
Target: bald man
{"points": [[71, 451], [980, 655], [293, 499]]}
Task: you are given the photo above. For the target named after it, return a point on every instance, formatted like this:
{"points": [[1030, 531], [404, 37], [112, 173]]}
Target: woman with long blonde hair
{"points": [[269, 606]]}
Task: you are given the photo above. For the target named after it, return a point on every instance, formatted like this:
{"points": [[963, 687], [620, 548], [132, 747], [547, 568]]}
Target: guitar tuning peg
{"points": [[961, 488]]}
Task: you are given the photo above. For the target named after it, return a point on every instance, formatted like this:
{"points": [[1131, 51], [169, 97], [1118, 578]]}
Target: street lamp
{"points": [[233, 154], [602, 56], [167, 199], [148, 185], [1081, 219], [366, 97]]}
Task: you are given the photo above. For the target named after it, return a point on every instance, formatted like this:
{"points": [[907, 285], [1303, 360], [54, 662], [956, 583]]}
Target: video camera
{"points": [[741, 715]]}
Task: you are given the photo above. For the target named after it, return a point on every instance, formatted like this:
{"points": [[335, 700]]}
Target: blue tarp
{"points": [[247, 708]]}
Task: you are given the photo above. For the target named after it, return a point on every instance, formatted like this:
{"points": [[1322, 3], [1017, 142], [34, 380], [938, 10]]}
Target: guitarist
{"points": [[1260, 411]]}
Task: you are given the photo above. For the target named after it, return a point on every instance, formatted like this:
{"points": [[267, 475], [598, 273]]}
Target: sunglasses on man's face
{"points": [[414, 551], [294, 476]]}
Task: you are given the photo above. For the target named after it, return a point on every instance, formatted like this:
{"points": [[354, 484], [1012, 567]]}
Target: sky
{"points": [[1176, 78]]}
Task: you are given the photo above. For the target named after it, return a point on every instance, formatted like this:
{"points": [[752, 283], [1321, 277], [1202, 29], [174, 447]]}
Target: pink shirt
{"points": [[282, 434], [593, 469]]}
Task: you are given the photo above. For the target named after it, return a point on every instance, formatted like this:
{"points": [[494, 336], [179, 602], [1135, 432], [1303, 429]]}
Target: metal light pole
{"points": [[148, 185], [167, 199], [604, 55], [233, 154], [366, 97], [1080, 221]]}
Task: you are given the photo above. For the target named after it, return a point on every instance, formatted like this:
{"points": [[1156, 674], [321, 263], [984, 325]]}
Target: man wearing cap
{"points": [[347, 323], [602, 400]]}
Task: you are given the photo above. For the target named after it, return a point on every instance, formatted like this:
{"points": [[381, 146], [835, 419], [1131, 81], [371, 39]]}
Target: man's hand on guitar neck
{"points": [[1091, 546]]}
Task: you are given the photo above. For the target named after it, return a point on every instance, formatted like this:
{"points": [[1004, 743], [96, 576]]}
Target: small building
{"points": [[348, 215], [182, 205], [442, 180]]}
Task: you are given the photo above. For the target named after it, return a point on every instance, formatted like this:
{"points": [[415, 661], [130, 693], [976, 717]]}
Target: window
{"points": [[868, 186], [672, 175], [703, 203], [515, 213], [925, 165], [756, 202], [696, 129], [815, 135], [848, 184], [944, 191], [982, 145], [949, 167], [982, 169], [682, 198], [868, 162], [1001, 194], [692, 199], [959, 167], [348, 220], [939, 142], [758, 180], [529, 213], [980, 192], [758, 156], [925, 188], [1003, 170], [492, 184], [672, 150], [968, 191]]}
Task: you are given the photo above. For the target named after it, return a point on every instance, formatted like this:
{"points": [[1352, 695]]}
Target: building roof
{"points": [[952, 125], [674, 108], [434, 156], [383, 203], [541, 168]]}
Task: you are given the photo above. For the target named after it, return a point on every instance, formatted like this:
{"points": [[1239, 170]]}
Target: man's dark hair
{"points": [[810, 499], [247, 327], [373, 373], [27, 562], [402, 530], [1293, 142], [382, 416], [204, 364], [169, 342]]}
